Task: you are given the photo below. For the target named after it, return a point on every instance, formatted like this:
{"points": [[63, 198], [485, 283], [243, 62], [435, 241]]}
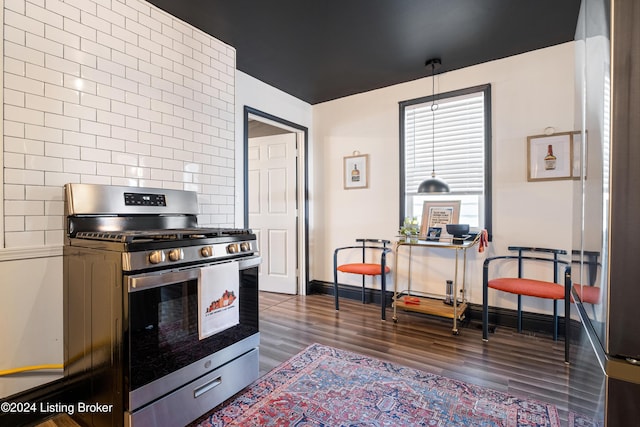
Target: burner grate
{"points": [[111, 237]]}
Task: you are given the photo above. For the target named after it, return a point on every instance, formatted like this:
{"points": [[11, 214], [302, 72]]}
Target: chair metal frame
{"points": [[521, 258], [366, 244]]}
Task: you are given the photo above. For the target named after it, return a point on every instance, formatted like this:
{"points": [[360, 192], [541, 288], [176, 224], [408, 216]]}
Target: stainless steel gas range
{"points": [[160, 315]]}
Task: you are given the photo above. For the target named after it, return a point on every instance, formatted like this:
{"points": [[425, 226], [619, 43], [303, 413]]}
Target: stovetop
{"points": [[165, 235]]}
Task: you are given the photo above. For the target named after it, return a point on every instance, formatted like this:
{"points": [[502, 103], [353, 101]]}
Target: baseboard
{"points": [[36, 398], [531, 322]]}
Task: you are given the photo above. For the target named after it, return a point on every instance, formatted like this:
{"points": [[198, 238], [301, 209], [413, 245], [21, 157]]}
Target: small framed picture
{"points": [[433, 234], [553, 157], [438, 215], [356, 171]]}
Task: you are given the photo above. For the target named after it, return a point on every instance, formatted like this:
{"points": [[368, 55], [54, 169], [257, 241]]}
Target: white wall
{"points": [[530, 92], [251, 92]]}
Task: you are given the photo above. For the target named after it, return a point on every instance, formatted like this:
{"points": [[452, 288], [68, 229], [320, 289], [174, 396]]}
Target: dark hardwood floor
{"points": [[524, 365]]}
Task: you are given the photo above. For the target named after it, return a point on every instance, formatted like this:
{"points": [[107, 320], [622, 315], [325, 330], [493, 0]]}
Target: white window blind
{"points": [[459, 143]]}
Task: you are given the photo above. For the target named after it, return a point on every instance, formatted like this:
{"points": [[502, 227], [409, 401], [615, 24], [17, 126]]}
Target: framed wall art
{"points": [[356, 171], [438, 215], [553, 157]]}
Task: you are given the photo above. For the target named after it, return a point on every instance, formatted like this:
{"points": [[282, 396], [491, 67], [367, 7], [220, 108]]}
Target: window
{"points": [[462, 152]]}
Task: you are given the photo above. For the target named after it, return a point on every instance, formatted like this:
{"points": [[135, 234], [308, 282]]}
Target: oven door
{"points": [[163, 346]]}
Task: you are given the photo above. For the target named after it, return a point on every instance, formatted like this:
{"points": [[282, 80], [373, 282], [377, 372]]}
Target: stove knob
{"points": [[176, 254], [233, 248], [206, 251], [245, 247], [156, 257]]}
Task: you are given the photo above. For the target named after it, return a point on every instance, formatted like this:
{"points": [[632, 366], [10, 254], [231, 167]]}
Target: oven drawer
{"points": [[193, 400]]}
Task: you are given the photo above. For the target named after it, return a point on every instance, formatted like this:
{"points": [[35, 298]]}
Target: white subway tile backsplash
{"points": [[59, 179], [81, 84], [62, 151], [108, 118], [14, 160], [79, 111], [43, 163], [94, 128], [24, 239], [94, 154], [43, 193], [15, 6], [54, 207], [15, 35], [14, 192], [61, 122], [110, 92], [111, 144], [125, 159], [14, 223], [13, 129], [96, 179], [124, 84], [60, 64], [149, 116], [42, 103], [23, 146], [100, 51], [137, 148], [42, 222], [80, 139], [22, 53], [43, 133], [61, 93], [23, 22], [43, 44], [43, 74], [24, 207], [79, 56], [57, 34], [90, 20], [14, 66], [110, 169], [24, 115], [23, 84], [14, 97], [64, 9], [110, 16], [119, 132], [54, 237]]}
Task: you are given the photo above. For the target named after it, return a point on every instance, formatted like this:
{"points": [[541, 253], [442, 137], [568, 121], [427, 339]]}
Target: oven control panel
{"points": [[140, 199]]}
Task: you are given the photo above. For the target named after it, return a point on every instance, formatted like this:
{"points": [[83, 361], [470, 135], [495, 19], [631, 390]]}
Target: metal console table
{"points": [[409, 300]]}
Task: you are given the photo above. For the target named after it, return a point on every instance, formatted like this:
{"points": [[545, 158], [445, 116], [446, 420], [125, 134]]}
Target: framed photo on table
{"points": [[438, 215], [553, 157], [356, 171]]}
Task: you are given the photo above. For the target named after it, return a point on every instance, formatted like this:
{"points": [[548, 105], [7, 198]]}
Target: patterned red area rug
{"points": [[325, 386]]}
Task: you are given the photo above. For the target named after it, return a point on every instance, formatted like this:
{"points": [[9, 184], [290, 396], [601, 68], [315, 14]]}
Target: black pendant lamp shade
{"points": [[433, 184]]}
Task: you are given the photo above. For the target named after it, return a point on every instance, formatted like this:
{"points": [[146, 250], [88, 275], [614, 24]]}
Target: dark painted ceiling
{"points": [[319, 50]]}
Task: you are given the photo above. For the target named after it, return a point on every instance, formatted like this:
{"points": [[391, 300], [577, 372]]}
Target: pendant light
{"points": [[433, 184]]}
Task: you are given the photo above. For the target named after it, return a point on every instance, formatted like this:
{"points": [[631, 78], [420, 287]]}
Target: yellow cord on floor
{"points": [[30, 368]]}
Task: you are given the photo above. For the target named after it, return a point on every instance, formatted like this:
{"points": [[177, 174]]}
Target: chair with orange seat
{"points": [[530, 287], [365, 268]]}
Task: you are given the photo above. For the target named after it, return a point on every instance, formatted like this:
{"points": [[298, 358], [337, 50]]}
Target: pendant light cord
{"points": [[434, 107]]}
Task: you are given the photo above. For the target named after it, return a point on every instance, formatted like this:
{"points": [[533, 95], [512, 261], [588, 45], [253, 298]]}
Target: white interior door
{"points": [[272, 209]]}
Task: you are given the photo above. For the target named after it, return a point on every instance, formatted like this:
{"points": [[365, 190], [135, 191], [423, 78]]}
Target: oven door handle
{"points": [[153, 280]]}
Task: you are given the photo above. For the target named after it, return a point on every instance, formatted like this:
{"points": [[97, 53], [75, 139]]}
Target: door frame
{"points": [[302, 191]]}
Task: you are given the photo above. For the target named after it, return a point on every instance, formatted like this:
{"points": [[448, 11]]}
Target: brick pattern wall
{"points": [[112, 92]]}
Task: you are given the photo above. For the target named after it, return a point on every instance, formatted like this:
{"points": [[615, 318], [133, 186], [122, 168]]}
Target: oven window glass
{"points": [[163, 327]]}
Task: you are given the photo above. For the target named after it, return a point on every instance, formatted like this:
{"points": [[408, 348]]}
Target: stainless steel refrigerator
{"points": [[605, 358]]}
